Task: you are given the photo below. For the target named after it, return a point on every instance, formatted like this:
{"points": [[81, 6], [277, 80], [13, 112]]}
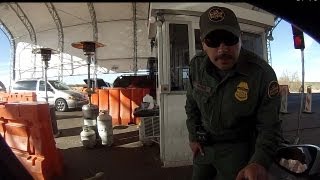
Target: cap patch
{"points": [[216, 14], [273, 89]]}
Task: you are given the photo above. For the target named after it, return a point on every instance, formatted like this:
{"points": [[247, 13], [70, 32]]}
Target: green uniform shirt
{"points": [[245, 103]]}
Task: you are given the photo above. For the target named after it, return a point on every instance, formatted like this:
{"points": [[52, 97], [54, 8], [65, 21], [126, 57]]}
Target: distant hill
{"points": [[294, 86], [315, 86]]}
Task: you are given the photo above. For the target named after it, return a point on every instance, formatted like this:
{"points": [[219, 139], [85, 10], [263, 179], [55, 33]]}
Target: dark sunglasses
{"points": [[214, 40]]}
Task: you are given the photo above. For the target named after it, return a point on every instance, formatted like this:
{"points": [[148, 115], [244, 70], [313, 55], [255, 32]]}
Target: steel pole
{"points": [[45, 79], [89, 82], [297, 140]]}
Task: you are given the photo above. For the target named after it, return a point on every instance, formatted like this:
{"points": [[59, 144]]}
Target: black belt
{"points": [[213, 141], [206, 137]]}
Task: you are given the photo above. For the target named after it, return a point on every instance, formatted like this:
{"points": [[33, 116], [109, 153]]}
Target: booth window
{"points": [[253, 43], [197, 41], [179, 56]]}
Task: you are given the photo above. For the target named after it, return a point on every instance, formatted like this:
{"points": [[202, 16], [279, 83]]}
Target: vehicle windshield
{"points": [[59, 85], [2, 87]]}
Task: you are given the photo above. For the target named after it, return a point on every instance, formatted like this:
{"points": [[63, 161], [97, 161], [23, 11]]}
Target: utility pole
{"points": [[298, 40]]}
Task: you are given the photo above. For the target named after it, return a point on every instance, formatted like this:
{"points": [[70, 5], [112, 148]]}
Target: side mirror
{"points": [[299, 159]]}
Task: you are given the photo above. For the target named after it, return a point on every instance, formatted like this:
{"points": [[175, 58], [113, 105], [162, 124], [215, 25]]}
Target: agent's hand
{"points": [[196, 148], [293, 165], [253, 171]]}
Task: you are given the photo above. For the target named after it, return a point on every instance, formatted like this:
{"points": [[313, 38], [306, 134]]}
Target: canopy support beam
{"points": [[57, 20]]}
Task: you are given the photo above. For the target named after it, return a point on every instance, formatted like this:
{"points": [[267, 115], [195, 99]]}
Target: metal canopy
{"points": [[122, 27]]}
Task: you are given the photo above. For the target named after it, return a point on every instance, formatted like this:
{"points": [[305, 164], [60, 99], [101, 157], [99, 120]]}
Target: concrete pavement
{"points": [[309, 123], [128, 159]]}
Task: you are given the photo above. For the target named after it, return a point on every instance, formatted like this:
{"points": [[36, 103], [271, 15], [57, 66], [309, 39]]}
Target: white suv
{"points": [[59, 94]]}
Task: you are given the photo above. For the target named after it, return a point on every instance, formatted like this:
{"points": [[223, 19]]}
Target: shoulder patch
{"points": [[273, 89]]}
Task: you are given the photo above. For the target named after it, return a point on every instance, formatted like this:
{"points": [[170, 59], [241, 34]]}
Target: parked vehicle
{"points": [[59, 94], [137, 81], [100, 83]]}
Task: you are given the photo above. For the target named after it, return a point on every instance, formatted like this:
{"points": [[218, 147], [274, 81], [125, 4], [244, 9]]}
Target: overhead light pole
{"points": [[45, 56]]}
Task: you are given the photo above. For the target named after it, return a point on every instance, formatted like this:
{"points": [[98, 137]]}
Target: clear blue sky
{"points": [[4, 59], [287, 59], [284, 57]]}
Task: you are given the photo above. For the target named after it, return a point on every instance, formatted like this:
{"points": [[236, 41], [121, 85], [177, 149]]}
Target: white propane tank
{"points": [[90, 122], [104, 125], [148, 99], [88, 137]]}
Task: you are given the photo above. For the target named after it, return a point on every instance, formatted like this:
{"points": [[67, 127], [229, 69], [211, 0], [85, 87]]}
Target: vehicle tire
{"points": [[61, 105]]}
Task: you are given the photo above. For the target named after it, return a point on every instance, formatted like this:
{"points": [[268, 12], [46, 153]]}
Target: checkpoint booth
{"points": [[173, 28]]}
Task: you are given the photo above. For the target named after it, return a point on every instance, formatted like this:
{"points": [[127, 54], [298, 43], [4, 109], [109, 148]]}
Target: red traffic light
{"points": [[298, 39], [298, 42]]}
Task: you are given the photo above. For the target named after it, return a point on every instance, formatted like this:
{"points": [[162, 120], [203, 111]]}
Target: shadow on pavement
{"points": [[120, 127], [119, 163], [126, 159], [70, 132], [66, 116]]}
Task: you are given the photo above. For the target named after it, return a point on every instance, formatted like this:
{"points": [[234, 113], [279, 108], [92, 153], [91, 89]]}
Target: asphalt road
{"points": [[128, 159], [309, 123]]}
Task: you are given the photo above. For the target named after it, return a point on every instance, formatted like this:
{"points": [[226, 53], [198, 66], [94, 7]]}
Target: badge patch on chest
{"points": [[242, 91], [273, 89]]}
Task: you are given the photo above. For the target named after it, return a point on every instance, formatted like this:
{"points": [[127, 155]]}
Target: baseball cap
{"points": [[218, 18]]}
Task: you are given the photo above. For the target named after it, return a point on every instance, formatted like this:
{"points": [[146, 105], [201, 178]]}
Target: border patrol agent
{"points": [[232, 104]]}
